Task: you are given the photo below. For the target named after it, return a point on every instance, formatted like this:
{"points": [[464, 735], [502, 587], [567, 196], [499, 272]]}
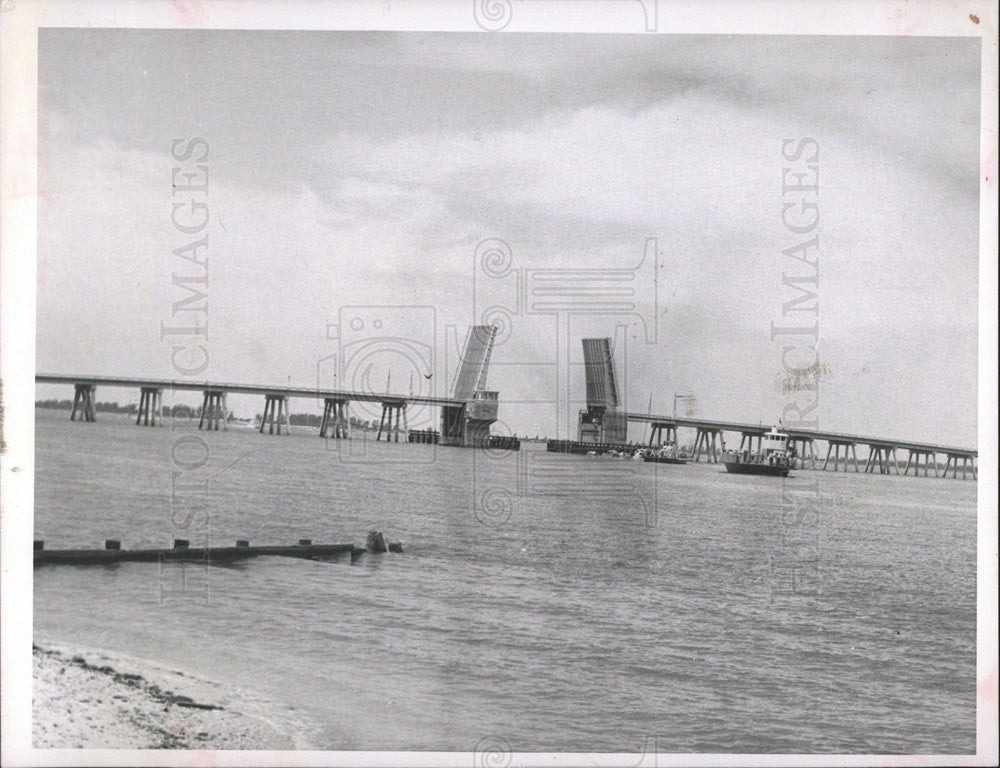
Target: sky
{"points": [[356, 180]]}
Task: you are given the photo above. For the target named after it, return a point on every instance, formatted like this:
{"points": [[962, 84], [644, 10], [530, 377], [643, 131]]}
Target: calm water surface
{"points": [[556, 603]]}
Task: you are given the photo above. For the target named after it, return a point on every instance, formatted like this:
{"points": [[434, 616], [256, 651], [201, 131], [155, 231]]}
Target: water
{"points": [[571, 620]]}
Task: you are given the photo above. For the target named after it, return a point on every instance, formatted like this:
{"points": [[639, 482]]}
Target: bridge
{"points": [[466, 417], [602, 422]]}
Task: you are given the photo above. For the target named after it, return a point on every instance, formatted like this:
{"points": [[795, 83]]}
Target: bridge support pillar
{"points": [[150, 407], [275, 414], [659, 430], [968, 463], [850, 454], [706, 440], [213, 410], [884, 457], [804, 449], [335, 418], [929, 457], [746, 441], [83, 400], [386, 424], [386, 411]]}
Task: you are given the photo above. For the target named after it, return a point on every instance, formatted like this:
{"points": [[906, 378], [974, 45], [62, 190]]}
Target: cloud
{"points": [[363, 168]]}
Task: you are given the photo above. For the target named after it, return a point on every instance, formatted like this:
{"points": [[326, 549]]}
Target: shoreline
{"points": [[93, 699]]}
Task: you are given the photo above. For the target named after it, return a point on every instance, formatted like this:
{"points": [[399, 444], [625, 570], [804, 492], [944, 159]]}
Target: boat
{"points": [[665, 454], [775, 458]]}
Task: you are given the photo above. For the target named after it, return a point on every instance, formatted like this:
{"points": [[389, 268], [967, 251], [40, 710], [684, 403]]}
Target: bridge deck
{"points": [[842, 437], [245, 389]]}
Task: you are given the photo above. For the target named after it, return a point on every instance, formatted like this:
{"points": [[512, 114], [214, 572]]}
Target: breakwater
{"points": [[181, 552]]}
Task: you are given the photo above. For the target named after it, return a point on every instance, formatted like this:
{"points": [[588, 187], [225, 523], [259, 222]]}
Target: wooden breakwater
{"points": [[182, 552], [504, 442], [573, 446], [431, 436]]}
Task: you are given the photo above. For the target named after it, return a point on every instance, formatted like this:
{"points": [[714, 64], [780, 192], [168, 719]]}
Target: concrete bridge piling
{"points": [[83, 399], [388, 407], [213, 410], [747, 437], [929, 457], [883, 457], [850, 454], [150, 407], [335, 418], [804, 449], [706, 440], [275, 414], [968, 462], [661, 432]]}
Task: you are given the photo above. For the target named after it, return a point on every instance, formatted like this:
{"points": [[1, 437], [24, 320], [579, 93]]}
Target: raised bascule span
{"points": [[467, 419], [601, 422]]}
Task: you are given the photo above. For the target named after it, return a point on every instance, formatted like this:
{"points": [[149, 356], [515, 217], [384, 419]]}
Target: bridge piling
{"points": [[929, 457], [381, 423], [326, 417], [836, 456], [344, 420], [871, 459], [275, 412], [968, 462], [702, 441], [656, 433], [804, 449], [213, 410], [83, 398], [334, 418], [746, 440], [152, 412], [884, 457], [850, 455], [386, 424], [150, 407], [401, 410]]}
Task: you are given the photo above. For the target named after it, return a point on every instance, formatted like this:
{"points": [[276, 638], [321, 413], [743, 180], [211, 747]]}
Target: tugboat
{"points": [[775, 457], [665, 454]]}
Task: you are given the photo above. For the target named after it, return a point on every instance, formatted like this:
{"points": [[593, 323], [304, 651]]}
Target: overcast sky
{"points": [[364, 168]]}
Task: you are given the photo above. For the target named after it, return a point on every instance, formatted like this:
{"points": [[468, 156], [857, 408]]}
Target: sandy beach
{"points": [[95, 700]]}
